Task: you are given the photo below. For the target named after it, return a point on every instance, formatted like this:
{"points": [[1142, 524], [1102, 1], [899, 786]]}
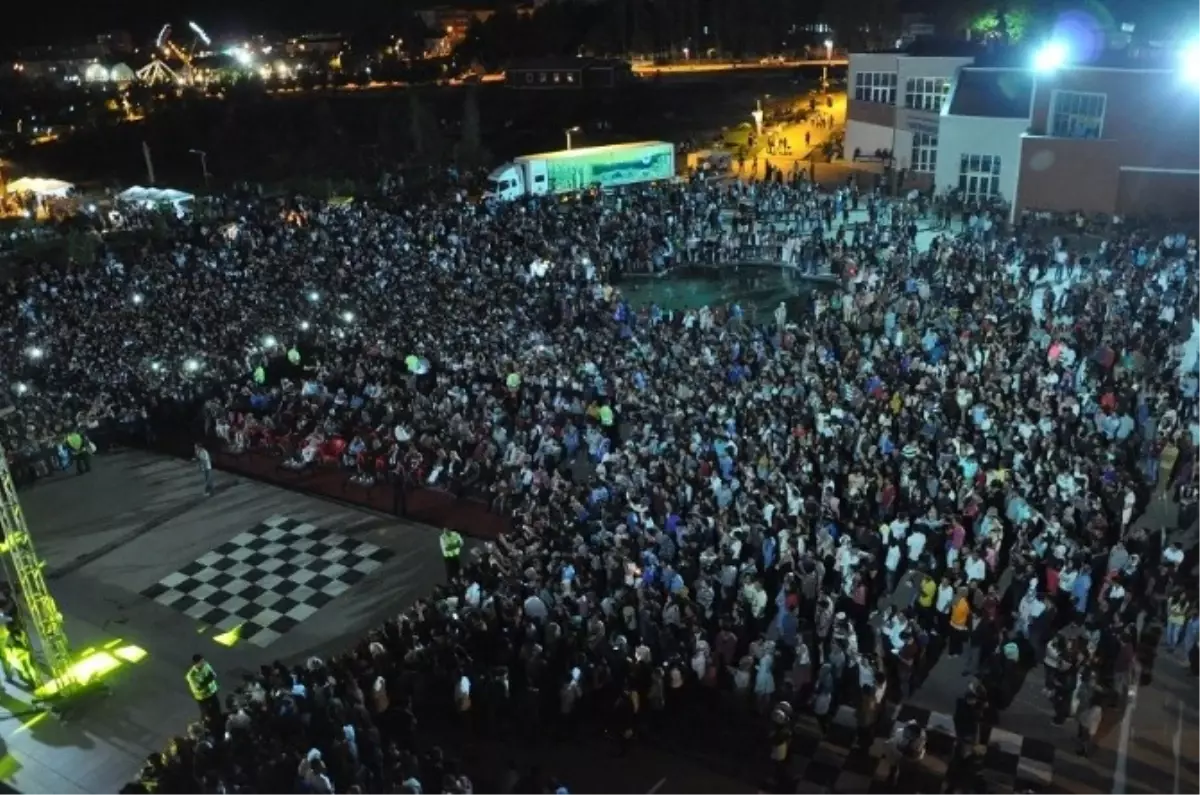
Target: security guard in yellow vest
{"points": [[81, 452], [202, 682], [452, 544], [20, 655]]}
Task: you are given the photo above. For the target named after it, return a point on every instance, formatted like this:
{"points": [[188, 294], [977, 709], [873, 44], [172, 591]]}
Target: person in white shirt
{"points": [[945, 597], [204, 461], [976, 568], [916, 545], [892, 565]]}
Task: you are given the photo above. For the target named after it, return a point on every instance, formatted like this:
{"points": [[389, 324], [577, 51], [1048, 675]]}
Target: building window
{"points": [[924, 153], [1076, 114], [875, 87], [926, 93], [979, 177]]}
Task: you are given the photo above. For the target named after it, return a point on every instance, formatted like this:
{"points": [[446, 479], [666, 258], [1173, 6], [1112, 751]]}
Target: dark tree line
{"points": [[739, 28], [663, 28]]}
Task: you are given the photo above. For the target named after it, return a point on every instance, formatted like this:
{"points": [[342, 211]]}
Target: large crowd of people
{"points": [[711, 508]]}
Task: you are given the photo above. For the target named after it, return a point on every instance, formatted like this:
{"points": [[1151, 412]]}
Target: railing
{"points": [[466, 510]]}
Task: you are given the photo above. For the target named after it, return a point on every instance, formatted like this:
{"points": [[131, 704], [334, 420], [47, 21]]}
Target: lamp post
{"points": [[203, 164], [568, 131], [757, 114], [828, 60]]}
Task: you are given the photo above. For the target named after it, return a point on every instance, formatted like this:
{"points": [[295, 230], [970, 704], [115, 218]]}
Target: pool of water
{"points": [[753, 287]]}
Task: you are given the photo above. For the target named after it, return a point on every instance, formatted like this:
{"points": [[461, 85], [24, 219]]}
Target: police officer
{"points": [[452, 544], [202, 681]]}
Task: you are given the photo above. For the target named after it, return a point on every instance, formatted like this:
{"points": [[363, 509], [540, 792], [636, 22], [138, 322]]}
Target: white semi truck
{"points": [[573, 170]]}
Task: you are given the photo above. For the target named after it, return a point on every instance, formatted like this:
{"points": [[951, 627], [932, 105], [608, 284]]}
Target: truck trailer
{"points": [[570, 170]]}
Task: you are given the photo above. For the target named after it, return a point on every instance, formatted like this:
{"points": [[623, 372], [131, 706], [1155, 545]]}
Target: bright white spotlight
{"points": [[348, 317], [304, 325], [241, 55], [314, 296], [191, 365], [1051, 56], [137, 298], [21, 389], [36, 353], [269, 341], [1189, 61], [155, 367]]}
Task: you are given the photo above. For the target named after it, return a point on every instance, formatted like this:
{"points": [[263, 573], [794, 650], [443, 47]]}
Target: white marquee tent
{"points": [[150, 197], [40, 187], [155, 195]]}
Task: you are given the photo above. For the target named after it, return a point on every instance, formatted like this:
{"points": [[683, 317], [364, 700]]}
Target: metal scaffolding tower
{"points": [[43, 612]]}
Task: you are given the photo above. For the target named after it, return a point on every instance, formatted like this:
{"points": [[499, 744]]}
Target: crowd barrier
{"points": [[468, 514]]}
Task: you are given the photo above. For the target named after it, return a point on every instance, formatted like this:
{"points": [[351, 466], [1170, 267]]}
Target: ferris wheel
{"points": [[158, 72]]}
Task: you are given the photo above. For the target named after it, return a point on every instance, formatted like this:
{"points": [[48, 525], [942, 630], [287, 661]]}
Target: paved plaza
{"points": [[123, 543]]}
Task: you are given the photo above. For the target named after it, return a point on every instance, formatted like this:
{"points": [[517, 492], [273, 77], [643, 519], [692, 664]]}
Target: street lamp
{"points": [[1052, 55], [203, 164], [570, 130], [1189, 61], [757, 113], [828, 59]]}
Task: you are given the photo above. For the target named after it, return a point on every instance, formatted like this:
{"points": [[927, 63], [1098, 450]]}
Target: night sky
{"points": [[68, 20]]}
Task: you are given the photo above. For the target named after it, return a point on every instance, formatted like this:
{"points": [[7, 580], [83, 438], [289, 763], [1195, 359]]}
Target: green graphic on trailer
{"points": [[609, 169]]}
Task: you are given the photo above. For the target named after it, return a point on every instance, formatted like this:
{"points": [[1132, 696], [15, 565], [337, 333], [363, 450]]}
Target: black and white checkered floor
{"points": [[830, 763], [265, 581]]}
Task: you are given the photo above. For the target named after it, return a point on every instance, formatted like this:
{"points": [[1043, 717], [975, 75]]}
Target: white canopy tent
{"points": [[155, 195], [40, 186], [152, 197]]}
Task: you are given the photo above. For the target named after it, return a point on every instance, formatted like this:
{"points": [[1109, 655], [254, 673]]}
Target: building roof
{"points": [[992, 93]]}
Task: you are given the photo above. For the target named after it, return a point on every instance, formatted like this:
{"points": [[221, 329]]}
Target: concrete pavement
{"points": [[109, 535], [794, 134], [1152, 744]]}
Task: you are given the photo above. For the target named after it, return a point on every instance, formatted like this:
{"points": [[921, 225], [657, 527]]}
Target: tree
{"points": [[470, 151], [423, 130], [388, 130], [1002, 21], [1006, 23], [416, 132]]}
